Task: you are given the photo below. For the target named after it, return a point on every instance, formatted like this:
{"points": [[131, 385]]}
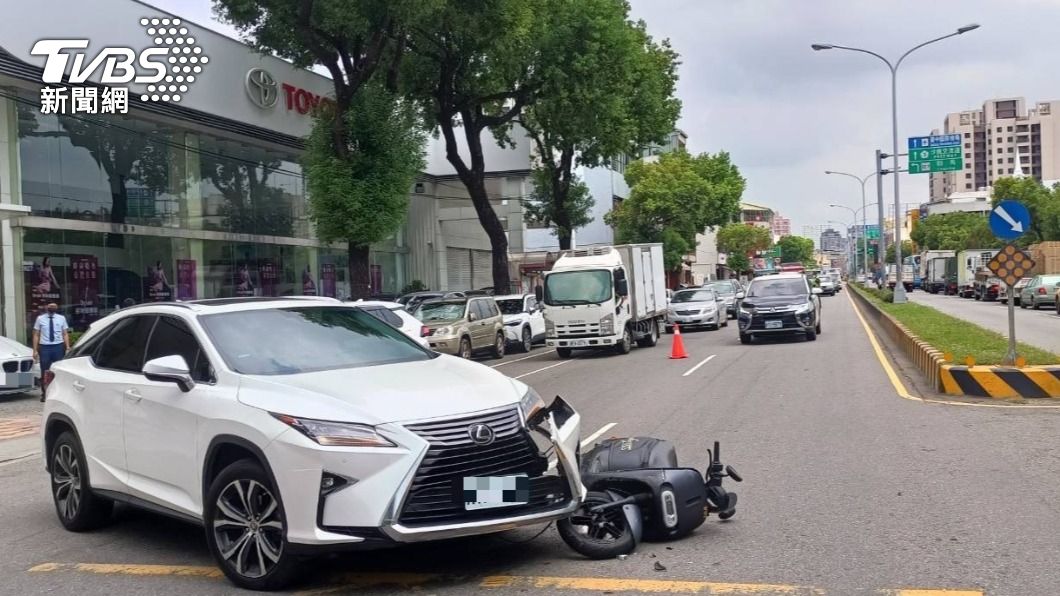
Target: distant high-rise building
{"points": [[781, 226], [999, 140], [675, 141], [831, 241]]}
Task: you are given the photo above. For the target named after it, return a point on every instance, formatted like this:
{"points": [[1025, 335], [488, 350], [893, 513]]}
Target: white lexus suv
{"points": [[291, 426]]}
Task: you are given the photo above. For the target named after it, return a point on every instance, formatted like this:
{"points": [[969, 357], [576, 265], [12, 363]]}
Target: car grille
{"points": [[27, 365], [434, 498], [686, 313], [578, 330], [11, 366], [759, 321]]}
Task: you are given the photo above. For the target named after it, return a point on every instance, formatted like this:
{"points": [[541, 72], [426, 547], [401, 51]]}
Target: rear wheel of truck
{"points": [[626, 344], [652, 338], [564, 352]]}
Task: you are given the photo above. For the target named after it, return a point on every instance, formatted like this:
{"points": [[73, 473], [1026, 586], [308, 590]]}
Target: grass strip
{"points": [[957, 336]]}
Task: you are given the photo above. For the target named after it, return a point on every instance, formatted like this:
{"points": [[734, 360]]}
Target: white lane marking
{"points": [[596, 435], [521, 359], [545, 368], [696, 367], [17, 458]]}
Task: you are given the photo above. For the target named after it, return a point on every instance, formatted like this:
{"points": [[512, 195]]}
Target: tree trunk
{"points": [[474, 180], [561, 181], [360, 271]]}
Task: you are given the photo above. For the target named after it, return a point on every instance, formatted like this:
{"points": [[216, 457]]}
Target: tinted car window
{"points": [[511, 306], [123, 349], [173, 337], [88, 347], [693, 296], [297, 340], [491, 308], [383, 314]]}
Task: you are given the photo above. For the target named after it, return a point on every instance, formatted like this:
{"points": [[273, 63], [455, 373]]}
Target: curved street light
{"points": [[864, 242], [899, 290]]}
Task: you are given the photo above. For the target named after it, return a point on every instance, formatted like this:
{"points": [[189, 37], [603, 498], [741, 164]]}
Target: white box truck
{"points": [[970, 262], [605, 297]]}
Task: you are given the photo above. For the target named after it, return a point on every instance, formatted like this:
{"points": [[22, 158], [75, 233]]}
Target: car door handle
{"points": [[133, 396], [79, 386]]}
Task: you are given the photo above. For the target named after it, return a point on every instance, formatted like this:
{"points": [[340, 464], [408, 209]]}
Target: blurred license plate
{"points": [[486, 492], [774, 324], [579, 342]]}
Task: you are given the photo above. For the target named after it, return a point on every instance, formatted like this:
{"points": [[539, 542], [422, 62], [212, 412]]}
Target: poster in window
{"points": [[42, 287], [327, 279], [186, 285], [268, 277], [243, 282], [84, 272], [309, 287], [158, 288]]}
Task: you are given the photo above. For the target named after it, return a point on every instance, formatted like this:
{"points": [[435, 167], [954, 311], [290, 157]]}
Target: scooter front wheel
{"points": [[600, 535]]}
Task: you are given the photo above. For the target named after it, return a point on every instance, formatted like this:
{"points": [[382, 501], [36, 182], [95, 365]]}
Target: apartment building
{"points": [[997, 138], [831, 241], [781, 227]]}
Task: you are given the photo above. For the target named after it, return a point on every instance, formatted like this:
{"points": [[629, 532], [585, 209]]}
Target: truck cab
{"points": [[605, 298]]}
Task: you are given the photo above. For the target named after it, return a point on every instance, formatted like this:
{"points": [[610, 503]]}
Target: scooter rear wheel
{"points": [[602, 535]]}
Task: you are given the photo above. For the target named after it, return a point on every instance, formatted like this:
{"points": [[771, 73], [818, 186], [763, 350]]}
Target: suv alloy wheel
{"points": [[78, 508], [246, 527], [498, 345], [527, 340]]}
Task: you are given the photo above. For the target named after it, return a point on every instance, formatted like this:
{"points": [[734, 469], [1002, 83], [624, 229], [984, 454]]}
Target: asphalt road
{"points": [[1040, 328], [848, 489]]}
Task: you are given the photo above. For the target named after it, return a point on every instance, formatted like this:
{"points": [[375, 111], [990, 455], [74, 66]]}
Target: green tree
{"points": [[473, 67], [362, 197], [953, 231], [907, 250], [364, 150], [676, 197], [1039, 200], [796, 249], [739, 240], [607, 90]]}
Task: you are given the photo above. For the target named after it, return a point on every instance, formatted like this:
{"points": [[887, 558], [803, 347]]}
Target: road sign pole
{"points": [[1010, 358], [881, 247]]}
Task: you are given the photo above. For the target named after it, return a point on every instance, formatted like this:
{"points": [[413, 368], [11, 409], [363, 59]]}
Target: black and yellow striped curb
{"points": [[1001, 382]]}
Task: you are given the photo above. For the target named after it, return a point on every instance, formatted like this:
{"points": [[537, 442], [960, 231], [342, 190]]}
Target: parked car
{"points": [[988, 290], [412, 301], [730, 292], [20, 370], [781, 303], [1041, 290], [396, 316], [1002, 294], [288, 427], [826, 284], [696, 307], [464, 326], [524, 321]]}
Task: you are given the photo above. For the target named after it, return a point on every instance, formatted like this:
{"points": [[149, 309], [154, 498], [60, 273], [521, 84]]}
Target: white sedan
{"points": [[396, 316], [18, 366]]}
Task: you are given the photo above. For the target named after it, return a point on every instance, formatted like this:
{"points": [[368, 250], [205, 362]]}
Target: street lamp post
{"points": [[899, 289], [849, 244], [855, 214], [864, 242]]}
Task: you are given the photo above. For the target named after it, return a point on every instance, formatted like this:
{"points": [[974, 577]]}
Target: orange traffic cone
{"points": [[679, 345]]}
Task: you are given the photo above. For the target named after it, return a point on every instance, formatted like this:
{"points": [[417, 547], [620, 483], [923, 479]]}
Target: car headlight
{"points": [[530, 403], [607, 324], [515, 323], [805, 308], [336, 434], [443, 331], [709, 309]]}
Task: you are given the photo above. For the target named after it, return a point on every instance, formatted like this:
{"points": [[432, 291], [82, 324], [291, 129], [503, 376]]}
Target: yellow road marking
{"points": [[603, 584], [884, 362], [414, 581], [900, 388]]}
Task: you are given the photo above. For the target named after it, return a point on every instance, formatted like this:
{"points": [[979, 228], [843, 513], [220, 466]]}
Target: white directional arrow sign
{"points": [[1017, 226]]}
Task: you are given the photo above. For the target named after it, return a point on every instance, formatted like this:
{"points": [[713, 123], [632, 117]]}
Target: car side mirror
{"points": [[739, 295], [539, 293], [816, 290], [622, 287], [170, 369]]}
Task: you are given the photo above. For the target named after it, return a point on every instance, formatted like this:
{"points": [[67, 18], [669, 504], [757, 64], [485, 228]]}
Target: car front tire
{"points": [[465, 348], [811, 335], [527, 342], [564, 352], [746, 338], [626, 344], [246, 528], [78, 508]]}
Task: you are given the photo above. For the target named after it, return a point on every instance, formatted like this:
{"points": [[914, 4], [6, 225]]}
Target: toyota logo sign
{"points": [[261, 87], [480, 434]]}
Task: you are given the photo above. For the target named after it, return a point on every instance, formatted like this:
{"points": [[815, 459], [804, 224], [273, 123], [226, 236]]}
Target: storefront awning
{"points": [[7, 211]]}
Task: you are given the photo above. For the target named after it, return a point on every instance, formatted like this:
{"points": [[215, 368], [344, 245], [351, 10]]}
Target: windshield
{"points": [[441, 311], [694, 296], [765, 288], [578, 287], [512, 306], [725, 289], [298, 340]]}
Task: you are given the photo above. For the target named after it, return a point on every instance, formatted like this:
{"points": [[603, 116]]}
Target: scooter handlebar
{"points": [[732, 474]]}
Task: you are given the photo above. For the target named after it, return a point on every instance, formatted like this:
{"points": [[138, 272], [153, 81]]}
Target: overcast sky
{"points": [[752, 86]]}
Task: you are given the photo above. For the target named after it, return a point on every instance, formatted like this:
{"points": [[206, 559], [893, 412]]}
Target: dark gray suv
{"points": [[780, 304]]}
